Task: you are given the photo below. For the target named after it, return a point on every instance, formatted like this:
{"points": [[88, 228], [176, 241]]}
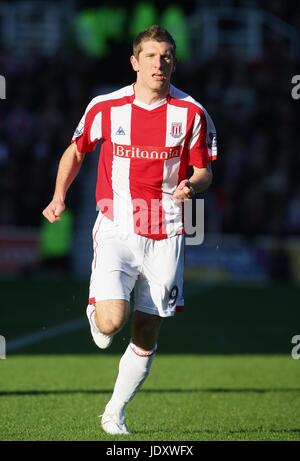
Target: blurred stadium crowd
{"points": [[256, 188]]}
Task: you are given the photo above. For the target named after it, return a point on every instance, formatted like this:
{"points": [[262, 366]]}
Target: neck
{"points": [[148, 96]]}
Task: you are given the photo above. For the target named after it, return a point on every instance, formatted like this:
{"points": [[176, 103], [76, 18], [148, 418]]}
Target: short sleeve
{"points": [[203, 143], [89, 129]]}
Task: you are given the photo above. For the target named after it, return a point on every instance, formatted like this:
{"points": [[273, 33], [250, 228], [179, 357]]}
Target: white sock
{"points": [[134, 368]]}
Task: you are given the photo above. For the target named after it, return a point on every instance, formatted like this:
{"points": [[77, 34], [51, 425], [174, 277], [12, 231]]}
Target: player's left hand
{"points": [[184, 191]]}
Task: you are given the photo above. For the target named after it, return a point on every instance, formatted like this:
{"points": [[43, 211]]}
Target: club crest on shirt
{"points": [[176, 129]]}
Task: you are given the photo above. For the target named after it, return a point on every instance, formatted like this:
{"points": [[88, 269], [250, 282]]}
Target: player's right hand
{"points": [[54, 210], [184, 190]]}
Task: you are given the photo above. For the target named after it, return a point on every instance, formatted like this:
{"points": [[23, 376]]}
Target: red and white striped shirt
{"points": [[145, 153]]}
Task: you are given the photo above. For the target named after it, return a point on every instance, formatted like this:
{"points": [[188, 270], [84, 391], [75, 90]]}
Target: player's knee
{"points": [[109, 326], [111, 316]]}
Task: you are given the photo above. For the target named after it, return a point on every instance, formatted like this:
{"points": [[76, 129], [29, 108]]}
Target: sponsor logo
{"points": [[147, 152], [120, 131], [176, 129]]}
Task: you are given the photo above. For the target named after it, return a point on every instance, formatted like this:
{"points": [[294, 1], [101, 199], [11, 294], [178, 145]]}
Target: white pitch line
{"points": [[32, 338]]}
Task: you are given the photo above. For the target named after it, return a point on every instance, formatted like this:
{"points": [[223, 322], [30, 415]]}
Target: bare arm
{"points": [[68, 169], [198, 182]]}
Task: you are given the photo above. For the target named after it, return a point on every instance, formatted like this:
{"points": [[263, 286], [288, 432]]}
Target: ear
{"points": [[134, 63]]}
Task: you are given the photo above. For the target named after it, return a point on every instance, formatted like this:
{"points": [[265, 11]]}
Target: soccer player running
{"points": [[150, 133]]}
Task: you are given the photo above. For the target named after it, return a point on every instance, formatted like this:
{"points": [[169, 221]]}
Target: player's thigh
{"points": [[159, 289], [114, 269], [112, 313], [145, 330]]}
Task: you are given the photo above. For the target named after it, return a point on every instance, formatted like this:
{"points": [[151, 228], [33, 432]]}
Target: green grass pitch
{"points": [[224, 370]]}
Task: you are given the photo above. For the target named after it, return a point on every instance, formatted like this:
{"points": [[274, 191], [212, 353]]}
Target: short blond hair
{"points": [[156, 33]]}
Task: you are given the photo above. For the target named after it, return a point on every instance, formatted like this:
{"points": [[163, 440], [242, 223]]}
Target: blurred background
{"points": [[238, 59]]}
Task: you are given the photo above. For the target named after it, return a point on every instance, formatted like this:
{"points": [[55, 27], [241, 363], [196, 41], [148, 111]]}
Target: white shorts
{"points": [[153, 268]]}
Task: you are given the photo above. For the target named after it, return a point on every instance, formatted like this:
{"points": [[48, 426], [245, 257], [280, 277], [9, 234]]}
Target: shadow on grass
{"points": [[229, 432], [37, 392]]}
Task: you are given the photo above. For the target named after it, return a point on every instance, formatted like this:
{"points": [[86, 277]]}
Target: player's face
{"points": [[154, 65]]}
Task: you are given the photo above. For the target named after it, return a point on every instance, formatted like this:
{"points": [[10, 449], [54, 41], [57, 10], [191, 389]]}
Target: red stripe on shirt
{"points": [[150, 186]]}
